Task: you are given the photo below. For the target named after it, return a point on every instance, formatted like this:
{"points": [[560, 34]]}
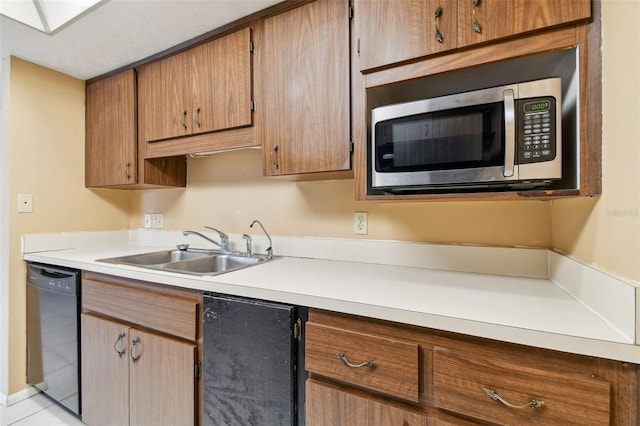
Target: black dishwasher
{"points": [[53, 338], [253, 362]]}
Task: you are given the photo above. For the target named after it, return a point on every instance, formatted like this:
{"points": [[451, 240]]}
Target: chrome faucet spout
{"points": [[270, 248], [185, 233], [224, 238]]}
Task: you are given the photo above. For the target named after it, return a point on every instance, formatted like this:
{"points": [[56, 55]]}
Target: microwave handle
{"points": [[510, 133]]}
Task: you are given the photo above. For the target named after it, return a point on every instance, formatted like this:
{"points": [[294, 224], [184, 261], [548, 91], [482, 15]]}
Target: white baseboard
{"points": [[14, 398]]}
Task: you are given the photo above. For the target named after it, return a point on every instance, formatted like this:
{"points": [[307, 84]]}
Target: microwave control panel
{"points": [[536, 130]]}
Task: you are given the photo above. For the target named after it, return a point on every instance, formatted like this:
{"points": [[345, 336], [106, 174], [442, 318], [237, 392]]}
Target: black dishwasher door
{"points": [[250, 362]]}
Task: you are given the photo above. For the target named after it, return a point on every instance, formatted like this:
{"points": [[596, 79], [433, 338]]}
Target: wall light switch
{"points": [[25, 203], [157, 220]]}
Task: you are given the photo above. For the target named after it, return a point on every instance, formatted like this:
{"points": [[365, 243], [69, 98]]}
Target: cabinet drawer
{"points": [[460, 380], [329, 405], [168, 314], [394, 371]]}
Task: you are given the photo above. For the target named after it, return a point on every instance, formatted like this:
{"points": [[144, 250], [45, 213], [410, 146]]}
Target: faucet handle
{"points": [[183, 247], [224, 238], [247, 238]]}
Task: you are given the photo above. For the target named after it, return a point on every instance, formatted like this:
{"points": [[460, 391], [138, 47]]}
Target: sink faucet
{"points": [[270, 248], [224, 239]]}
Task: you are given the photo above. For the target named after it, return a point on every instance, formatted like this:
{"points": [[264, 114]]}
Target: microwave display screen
{"points": [[452, 139]]}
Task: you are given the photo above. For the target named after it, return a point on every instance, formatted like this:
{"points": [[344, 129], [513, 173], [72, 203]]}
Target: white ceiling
{"points": [[120, 32]]}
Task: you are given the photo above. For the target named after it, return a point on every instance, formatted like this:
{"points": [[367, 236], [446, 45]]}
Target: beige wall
{"points": [[606, 231], [227, 191], [46, 159]]}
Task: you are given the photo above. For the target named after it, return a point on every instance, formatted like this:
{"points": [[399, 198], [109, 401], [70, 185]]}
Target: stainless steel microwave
{"points": [[507, 136]]}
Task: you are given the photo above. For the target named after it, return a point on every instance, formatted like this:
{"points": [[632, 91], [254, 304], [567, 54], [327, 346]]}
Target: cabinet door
{"points": [[484, 20], [164, 96], [306, 89], [221, 83], [105, 372], [162, 380], [330, 406], [394, 31], [111, 143]]}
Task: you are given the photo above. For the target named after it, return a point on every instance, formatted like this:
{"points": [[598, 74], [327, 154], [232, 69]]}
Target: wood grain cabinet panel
{"points": [[162, 380], [112, 151], [453, 371], [495, 19], [221, 83], [105, 373], [389, 32], [165, 313], [393, 368], [205, 89], [111, 141], [330, 406], [305, 80], [460, 380], [140, 353]]}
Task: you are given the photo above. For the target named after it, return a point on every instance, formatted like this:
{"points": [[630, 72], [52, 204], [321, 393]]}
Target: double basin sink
{"points": [[190, 261]]}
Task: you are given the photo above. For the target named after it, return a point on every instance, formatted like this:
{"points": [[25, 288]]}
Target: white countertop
{"points": [[529, 310]]}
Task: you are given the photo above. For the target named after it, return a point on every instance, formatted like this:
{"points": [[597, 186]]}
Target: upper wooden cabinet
{"points": [[204, 89], [305, 97], [111, 144], [485, 20], [391, 31]]}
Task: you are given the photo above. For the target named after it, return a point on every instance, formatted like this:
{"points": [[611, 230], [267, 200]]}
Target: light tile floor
{"points": [[37, 411]]}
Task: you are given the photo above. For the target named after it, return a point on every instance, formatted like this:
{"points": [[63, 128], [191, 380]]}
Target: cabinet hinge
{"points": [[351, 13], [252, 105], [358, 47], [252, 48], [196, 370], [351, 146], [297, 330]]}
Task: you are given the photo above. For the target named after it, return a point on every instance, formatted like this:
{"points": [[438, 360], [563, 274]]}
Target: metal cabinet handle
{"points": [[274, 151], [438, 14], [184, 119], [367, 363], [534, 403], [476, 25], [197, 117], [134, 342], [115, 345]]}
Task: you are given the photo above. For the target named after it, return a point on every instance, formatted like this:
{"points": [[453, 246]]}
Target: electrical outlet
{"points": [[25, 203], [147, 220], [360, 225], [157, 220]]}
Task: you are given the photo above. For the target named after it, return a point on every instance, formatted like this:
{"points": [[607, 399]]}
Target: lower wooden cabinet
{"points": [[330, 406], [459, 380], [139, 372]]}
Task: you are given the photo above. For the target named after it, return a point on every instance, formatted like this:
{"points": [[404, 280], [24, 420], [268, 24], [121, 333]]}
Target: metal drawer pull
{"points": [[534, 403], [438, 14], [367, 363], [115, 345], [134, 342]]}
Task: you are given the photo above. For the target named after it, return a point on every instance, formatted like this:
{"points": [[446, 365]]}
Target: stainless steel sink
{"points": [[155, 258], [213, 264], [189, 262]]}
